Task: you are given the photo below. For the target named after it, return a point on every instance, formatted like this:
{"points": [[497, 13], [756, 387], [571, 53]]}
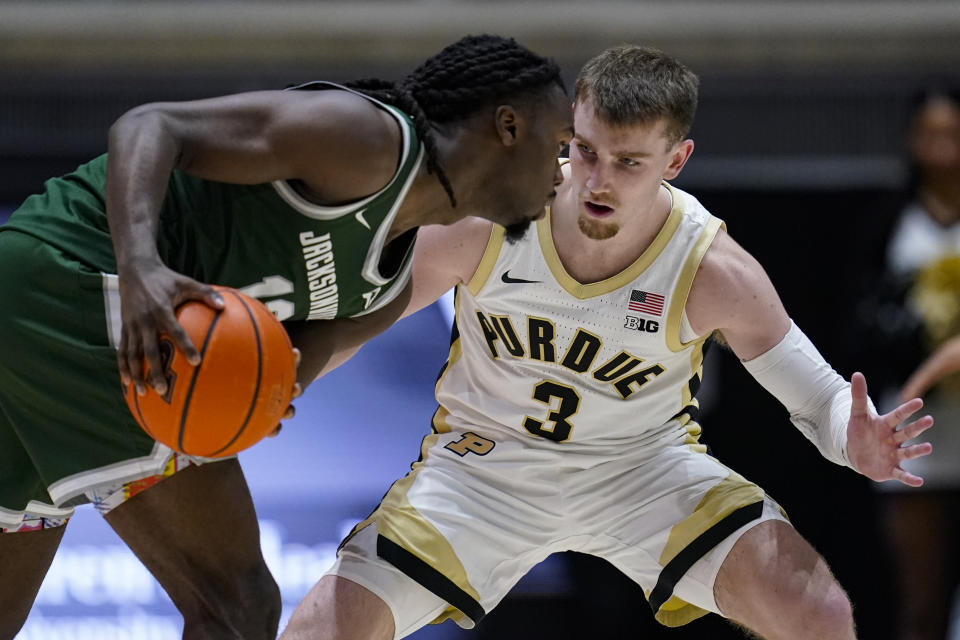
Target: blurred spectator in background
{"points": [[923, 271], [942, 362]]}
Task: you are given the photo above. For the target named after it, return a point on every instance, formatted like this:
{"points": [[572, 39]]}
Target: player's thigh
{"points": [[24, 501], [363, 595], [30, 530], [465, 530], [197, 527], [669, 521], [25, 556], [339, 609], [773, 572]]}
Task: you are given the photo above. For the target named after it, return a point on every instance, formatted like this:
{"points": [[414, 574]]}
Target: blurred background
{"points": [[801, 146]]}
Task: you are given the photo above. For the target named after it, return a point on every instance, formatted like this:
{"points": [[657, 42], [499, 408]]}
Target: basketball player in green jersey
{"points": [[308, 199]]}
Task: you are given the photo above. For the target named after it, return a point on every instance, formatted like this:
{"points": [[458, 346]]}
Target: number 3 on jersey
{"points": [[556, 427]]}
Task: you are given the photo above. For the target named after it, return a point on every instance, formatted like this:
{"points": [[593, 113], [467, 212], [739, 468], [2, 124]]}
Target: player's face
{"points": [[616, 171], [528, 177]]}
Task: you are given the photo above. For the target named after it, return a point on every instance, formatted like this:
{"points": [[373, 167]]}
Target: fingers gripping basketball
{"points": [[239, 391]]}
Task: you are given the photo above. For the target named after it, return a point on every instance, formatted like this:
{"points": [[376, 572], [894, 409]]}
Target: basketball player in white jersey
{"points": [[567, 417]]}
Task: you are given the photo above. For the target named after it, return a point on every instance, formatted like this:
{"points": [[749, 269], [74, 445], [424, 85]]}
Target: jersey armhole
{"points": [[677, 314], [488, 260], [687, 334], [409, 144]]}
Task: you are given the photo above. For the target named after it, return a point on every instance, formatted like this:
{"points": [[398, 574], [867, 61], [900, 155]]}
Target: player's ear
{"points": [[508, 124], [678, 157]]}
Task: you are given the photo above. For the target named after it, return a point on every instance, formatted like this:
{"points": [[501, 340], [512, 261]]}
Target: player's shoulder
{"points": [[466, 233], [724, 261], [458, 247], [729, 282], [347, 146], [351, 114], [689, 205]]}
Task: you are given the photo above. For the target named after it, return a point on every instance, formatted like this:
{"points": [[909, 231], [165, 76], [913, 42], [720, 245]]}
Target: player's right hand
{"points": [[148, 299]]}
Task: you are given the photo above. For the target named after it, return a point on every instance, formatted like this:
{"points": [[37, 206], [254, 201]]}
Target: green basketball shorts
{"points": [[65, 430]]}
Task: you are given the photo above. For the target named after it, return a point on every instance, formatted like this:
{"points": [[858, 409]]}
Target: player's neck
{"points": [[428, 202]]}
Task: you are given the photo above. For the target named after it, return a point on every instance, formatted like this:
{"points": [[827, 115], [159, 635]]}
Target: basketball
{"points": [[238, 392]]}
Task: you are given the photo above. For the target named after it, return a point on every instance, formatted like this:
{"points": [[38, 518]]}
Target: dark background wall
{"points": [[799, 148]]}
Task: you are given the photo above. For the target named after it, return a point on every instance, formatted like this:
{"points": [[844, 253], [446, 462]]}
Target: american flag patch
{"points": [[646, 302]]}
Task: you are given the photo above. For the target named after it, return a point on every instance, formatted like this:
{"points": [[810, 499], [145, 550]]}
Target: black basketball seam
{"points": [[193, 381], [256, 390]]}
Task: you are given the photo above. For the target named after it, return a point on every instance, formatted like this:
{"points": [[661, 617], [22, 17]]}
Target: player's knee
{"points": [[248, 607], [823, 614], [11, 623], [835, 612], [259, 604], [264, 603], [776, 584]]}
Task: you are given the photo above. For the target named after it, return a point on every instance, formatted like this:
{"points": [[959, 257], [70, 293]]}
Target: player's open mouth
{"points": [[598, 209]]}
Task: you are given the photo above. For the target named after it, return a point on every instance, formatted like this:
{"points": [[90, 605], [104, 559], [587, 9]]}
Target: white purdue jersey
{"points": [[567, 422], [591, 368]]}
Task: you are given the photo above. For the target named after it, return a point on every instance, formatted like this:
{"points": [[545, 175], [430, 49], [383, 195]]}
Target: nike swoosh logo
{"points": [[359, 216], [507, 279]]}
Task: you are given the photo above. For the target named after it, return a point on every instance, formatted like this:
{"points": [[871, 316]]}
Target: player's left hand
{"points": [[875, 446], [297, 391]]}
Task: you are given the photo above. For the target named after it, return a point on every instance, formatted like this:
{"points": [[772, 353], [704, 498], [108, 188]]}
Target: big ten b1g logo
{"points": [[641, 324]]}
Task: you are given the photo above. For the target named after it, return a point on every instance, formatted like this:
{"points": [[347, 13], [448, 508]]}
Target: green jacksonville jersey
{"points": [[305, 261]]}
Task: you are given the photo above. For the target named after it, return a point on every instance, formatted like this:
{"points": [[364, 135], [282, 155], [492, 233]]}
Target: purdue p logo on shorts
{"points": [[471, 443]]}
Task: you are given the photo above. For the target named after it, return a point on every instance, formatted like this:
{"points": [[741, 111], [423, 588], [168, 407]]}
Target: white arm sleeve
{"points": [[817, 398]]}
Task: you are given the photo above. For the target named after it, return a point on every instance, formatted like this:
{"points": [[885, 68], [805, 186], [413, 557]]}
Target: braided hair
{"points": [[460, 81]]}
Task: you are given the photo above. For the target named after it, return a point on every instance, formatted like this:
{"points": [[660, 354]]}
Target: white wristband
{"points": [[816, 396]]}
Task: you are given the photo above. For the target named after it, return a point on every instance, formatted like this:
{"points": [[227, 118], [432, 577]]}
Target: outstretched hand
{"points": [[875, 446], [148, 299]]}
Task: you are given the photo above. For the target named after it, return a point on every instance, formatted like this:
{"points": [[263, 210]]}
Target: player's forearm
{"points": [[816, 396], [141, 157], [326, 344]]}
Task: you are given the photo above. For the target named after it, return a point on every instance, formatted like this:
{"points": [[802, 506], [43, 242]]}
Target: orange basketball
{"points": [[238, 392]]}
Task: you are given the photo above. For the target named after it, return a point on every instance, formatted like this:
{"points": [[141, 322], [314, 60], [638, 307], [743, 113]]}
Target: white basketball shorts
{"points": [[452, 537]]}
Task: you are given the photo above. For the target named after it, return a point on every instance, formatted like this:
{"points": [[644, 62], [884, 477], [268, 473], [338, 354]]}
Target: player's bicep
{"points": [[326, 344], [333, 141], [225, 138], [733, 294]]}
